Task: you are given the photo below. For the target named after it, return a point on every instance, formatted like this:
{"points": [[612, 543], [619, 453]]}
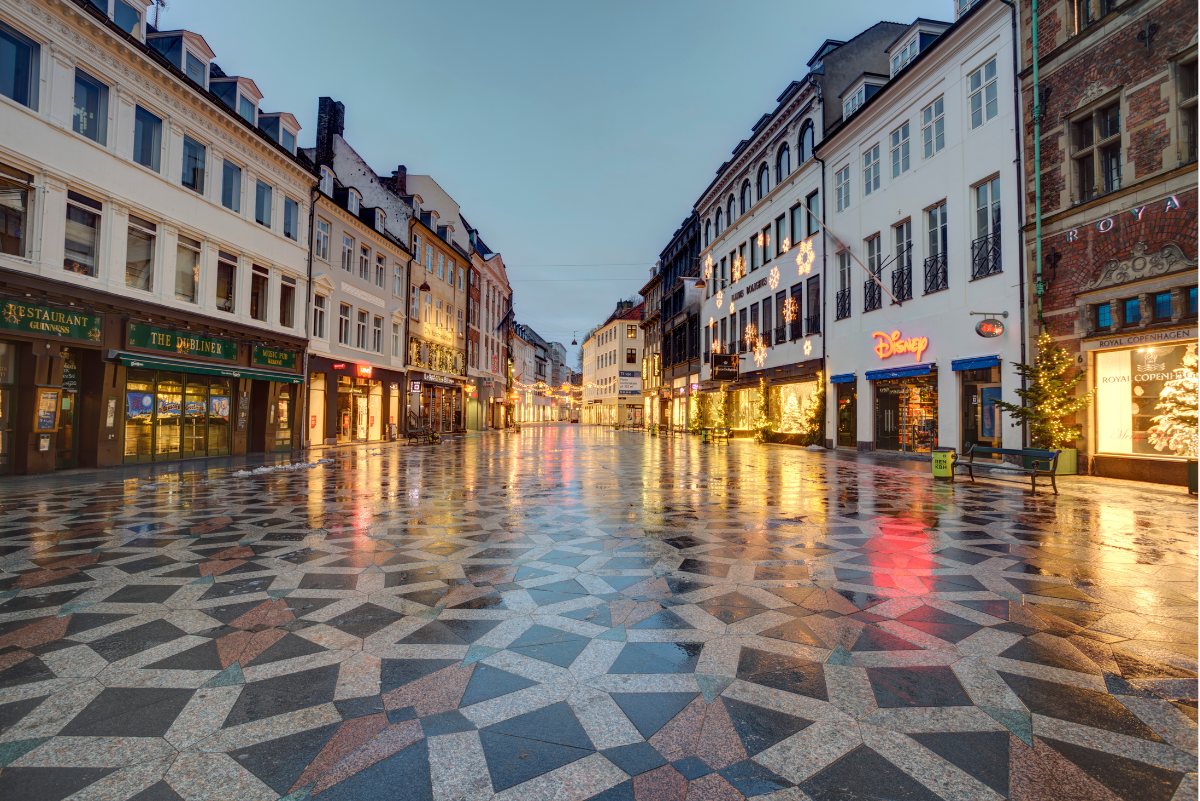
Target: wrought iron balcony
{"points": [[812, 324], [780, 335], [843, 304], [872, 295], [985, 256], [936, 278]]}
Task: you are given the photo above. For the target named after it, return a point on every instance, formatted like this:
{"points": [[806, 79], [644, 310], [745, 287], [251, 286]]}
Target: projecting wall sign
{"points": [[989, 328]]}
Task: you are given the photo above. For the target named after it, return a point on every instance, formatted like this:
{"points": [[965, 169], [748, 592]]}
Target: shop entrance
{"points": [[8, 398], [172, 415], [66, 455], [359, 405], [847, 416], [283, 425], [906, 414], [440, 408], [981, 416]]}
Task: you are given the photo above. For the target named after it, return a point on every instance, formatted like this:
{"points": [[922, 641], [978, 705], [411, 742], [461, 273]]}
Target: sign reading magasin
{"points": [[151, 337], [30, 319]]}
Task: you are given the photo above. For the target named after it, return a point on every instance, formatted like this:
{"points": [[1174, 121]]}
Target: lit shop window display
{"points": [[791, 406], [1146, 401]]}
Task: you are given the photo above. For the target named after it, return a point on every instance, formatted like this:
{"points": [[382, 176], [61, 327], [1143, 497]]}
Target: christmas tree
{"points": [[1049, 396], [812, 423], [1176, 428], [791, 423], [762, 424]]}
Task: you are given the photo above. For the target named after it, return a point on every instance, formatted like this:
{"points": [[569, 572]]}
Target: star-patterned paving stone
{"points": [[572, 613]]}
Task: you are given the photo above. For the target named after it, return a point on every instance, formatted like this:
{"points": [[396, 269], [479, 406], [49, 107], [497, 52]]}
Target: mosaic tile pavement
{"points": [[577, 613]]}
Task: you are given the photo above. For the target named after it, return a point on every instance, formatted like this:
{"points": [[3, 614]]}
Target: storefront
{"points": [[1139, 427], [906, 408], [352, 402], [845, 388], [436, 401], [980, 387]]}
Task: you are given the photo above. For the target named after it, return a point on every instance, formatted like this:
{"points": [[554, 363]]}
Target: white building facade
{"points": [[612, 377]]}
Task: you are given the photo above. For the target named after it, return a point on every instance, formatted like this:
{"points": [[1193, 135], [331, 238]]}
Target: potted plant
{"points": [[1049, 397], [1175, 428]]}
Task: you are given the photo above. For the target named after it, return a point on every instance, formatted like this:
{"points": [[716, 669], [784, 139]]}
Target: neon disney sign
{"points": [[895, 344], [1107, 224]]}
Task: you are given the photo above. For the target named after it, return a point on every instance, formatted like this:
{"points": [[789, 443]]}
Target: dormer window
{"points": [[862, 89], [246, 109], [380, 220], [288, 140], [327, 181], [901, 58], [852, 103], [197, 70], [280, 127], [128, 18], [187, 51], [353, 202]]}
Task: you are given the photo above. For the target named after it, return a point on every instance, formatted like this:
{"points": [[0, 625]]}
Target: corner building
{"points": [[152, 265]]}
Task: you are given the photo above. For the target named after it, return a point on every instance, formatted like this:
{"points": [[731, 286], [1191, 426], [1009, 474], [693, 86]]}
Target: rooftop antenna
{"points": [[159, 6]]}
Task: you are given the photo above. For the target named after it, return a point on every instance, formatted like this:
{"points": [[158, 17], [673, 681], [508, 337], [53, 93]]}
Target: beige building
{"points": [[612, 365]]}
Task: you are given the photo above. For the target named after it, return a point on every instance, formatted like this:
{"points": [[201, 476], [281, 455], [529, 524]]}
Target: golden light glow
{"points": [[789, 310], [805, 257], [720, 298], [773, 281], [807, 347]]}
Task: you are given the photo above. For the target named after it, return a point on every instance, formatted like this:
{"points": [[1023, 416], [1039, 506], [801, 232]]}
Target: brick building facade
{"points": [[1117, 82]]}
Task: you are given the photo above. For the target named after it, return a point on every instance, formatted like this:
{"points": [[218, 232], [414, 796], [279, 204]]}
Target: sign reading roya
{"points": [[25, 317], [991, 327], [893, 344], [270, 357], [149, 337]]}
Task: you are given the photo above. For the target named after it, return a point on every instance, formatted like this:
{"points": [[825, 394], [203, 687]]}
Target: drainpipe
{"points": [[1017, 130], [1039, 285], [313, 192], [824, 248]]}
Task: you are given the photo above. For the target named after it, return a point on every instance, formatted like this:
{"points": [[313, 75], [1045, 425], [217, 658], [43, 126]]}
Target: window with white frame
{"points": [[874, 255], [347, 253], [326, 185], [320, 304], [246, 109], [441, 265], [396, 286], [415, 305], [291, 219], [900, 160], [194, 158], [380, 220], [231, 186], [287, 301], [854, 101], [360, 339], [377, 334], [82, 241], [841, 185], [262, 204], [147, 137], [380, 269], [187, 268], [933, 127], [936, 230], [22, 58], [395, 340], [429, 258], [906, 54], [987, 208], [128, 18], [429, 308], [344, 323], [353, 202], [364, 263], [196, 69], [140, 241], [90, 112], [321, 242], [870, 170], [460, 323], [227, 265], [843, 264], [982, 98], [903, 236]]}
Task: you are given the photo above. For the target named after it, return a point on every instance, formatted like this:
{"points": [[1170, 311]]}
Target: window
{"points": [[231, 187], [14, 207], [326, 185], [843, 263], [246, 109], [353, 202], [429, 258], [193, 165], [870, 170], [291, 219], [128, 18], [461, 285], [797, 215], [1162, 306], [395, 340], [718, 221], [1096, 151], [196, 69], [903, 237], [287, 301], [187, 268], [936, 231], [377, 335], [906, 54], [318, 325], [874, 263], [380, 269], [764, 244], [729, 212], [139, 253], [450, 272], [83, 234], [344, 323], [1186, 80], [981, 84], [428, 308], [147, 138], [987, 208], [440, 324], [900, 150], [396, 280], [360, 330], [766, 332], [806, 142], [783, 164], [814, 212], [347, 253], [842, 187], [260, 279], [1088, 12], [631, 332], [854, 102], [415, 304], [90, 112], [1104, 316], [321, 244], [1132, 309], [707, 232], [780, 234], [933, 127], [460, 323], [262, 204], [754, 253], [226, 281], [288, 140], [764, 177], [746, 202], [441, 265], [364, 263], [20, 58]]}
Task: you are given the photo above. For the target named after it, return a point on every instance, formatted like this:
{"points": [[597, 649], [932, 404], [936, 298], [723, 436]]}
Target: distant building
{"points": [[612, 357]]}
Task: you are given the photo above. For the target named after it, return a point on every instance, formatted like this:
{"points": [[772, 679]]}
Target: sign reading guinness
{"points": [[30, 319]]}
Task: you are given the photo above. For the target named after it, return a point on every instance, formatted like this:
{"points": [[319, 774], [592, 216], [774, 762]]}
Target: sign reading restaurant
{"points": [[149, 337], [30, 319]]}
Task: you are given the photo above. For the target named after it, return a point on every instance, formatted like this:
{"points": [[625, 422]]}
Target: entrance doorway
{"points": [[847, 415], [66, 452], [906, 414], [981, 416]]}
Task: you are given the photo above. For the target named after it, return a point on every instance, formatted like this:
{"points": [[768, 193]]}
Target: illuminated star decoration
{"points": [[787, 244], [807, 347], [708, 266], [731, 307], [720, 297], [773, 281], [805, 257], [789, 310]]}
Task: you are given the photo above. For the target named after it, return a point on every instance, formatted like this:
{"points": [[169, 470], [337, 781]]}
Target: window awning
{"points": [[902, 372], [844, 378], [201, 368], [977, 363]]}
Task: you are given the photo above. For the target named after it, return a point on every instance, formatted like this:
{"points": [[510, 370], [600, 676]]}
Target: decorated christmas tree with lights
{"points": [[812, 422], [1176, 428], [791, 423], [1049, 397]]}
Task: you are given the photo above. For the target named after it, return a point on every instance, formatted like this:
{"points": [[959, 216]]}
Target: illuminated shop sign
{"points": [[895, 344], [364, 370], [990, 327]]}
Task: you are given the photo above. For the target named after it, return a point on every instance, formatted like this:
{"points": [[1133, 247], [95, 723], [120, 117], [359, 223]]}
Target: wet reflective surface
{"points": [[572, 613]]}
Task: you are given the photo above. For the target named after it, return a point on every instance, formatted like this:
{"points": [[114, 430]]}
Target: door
{"points": [[888, 399], [168, 409], [195, 418], [283, 426], [847, 416]]}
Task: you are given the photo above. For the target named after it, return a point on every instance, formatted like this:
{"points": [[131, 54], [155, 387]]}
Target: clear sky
{"points": [[575, 135]]}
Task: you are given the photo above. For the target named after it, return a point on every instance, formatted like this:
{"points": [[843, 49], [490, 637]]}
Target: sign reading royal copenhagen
{"points": [[270, 357], [895, 344], [1150, 338], [149, 337], [30, 319]]}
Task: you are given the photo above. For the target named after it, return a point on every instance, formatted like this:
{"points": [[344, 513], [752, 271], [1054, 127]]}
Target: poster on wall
{"points": [[139, 405], [1129, 385], [989, 415]]}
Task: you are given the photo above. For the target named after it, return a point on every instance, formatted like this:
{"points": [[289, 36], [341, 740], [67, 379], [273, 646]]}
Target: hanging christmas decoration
{"points": [[805, 257], [773, 279]]}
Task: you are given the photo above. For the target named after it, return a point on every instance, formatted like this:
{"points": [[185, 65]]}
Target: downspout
{"points": [[1017, 130], [313, 192], [824, 249]]}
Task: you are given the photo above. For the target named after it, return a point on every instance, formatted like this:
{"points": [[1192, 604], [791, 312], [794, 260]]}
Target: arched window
{"points": [[718, 222], [746, 201], [764, 180], [729, 215], [707, 232], [783, 164], [806, 142]]}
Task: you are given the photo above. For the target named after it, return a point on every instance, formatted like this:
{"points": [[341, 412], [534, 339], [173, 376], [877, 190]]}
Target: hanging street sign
{"points": [[990, 327]]}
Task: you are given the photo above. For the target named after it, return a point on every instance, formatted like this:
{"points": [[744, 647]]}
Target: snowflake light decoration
{"points": [[773, 281], [805, 257], [808, 347], [760, 353], [731, 309], [787, 244], [789, 310], [708, 267], [720, 296]]}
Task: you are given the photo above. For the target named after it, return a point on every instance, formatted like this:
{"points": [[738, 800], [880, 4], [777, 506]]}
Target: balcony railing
{"points": [[936, 278], [812, 324], [985, 256], [872, 295], [843, 304], [780, 335], [902, 283]]}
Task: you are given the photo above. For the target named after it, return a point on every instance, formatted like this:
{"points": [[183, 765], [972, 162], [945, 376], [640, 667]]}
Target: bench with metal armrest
{"points": [[1045, 463]]}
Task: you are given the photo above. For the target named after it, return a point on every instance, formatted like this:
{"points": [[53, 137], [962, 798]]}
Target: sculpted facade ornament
{"points": [[1168, 259]]}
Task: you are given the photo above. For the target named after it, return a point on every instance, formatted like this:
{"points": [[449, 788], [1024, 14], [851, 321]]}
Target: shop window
{"points": [[1133, 387], [1104, 317], [1132, 309], [187, 268], [1162, 306], [175, 415], [226, 281], [287, 301], [83, 234], [321, 243], [360, 331], [140, 239], [231, 187], [19, 78], [377, 335], [15, 189], [906, 414], [344, 324], [147, 138], [90, 109], [1096, 152], [320, 304], [262, 204], [847, 415], [789, 405], [194, 156]]}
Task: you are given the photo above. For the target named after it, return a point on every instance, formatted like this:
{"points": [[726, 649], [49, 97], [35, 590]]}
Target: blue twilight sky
{"points": [[570, 132]]}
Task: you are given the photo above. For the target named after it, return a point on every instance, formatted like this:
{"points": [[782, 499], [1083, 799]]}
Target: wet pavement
{"points": [[573, 613]]}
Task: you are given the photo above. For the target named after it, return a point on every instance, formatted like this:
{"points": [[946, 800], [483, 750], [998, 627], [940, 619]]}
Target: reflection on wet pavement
{"points": [[577, 613]]}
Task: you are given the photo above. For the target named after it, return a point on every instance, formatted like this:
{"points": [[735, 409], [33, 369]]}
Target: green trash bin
{"points": [[943, 463]]}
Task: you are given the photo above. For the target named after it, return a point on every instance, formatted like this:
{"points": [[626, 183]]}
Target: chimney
{"points": [[331, 119], [400, 180]]}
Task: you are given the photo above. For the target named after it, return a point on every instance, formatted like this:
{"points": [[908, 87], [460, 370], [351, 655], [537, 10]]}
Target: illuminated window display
{"points": [[788, 405], [906, 414], [1136, 385]]}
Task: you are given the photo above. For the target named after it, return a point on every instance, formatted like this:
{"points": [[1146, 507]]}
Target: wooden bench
{"points": [[716, 433], [1045, 463]]}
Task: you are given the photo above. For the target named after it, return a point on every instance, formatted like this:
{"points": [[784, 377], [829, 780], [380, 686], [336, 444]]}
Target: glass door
{"points": [[847, 416], [219, 406], [283, 429], [65, 455], [194, 422], [168, 411], [139, 415], [888, 399]]}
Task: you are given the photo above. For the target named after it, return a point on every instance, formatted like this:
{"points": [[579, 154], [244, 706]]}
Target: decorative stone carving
{"points": [[1168, 259]]}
